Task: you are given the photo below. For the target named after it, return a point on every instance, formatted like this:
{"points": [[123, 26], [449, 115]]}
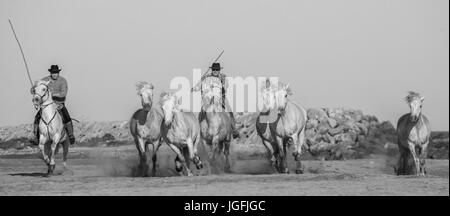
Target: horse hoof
{"points": [[199, 166], [299, 171], [50, 170], [179, 169], [227, 169]]}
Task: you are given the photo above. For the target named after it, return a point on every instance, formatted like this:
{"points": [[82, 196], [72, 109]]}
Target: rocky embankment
{"points": [[331, 133]]}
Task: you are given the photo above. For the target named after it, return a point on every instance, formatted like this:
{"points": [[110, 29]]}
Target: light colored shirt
{"points": [[58, 88]]}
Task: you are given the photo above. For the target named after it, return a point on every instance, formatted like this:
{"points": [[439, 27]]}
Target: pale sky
{"points": [[363, 54]]}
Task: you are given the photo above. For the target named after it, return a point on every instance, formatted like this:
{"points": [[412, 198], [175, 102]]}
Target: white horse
{"points": [[413, 130], [216, 129], [287, 128], [51, 127], [181, 131], [145, 126]]}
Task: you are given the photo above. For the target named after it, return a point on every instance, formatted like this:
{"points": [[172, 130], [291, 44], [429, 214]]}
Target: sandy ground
{"points": [[112, 171]]}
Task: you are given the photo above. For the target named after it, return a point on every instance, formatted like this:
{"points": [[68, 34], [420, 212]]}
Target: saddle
{"points": [[61, 114], [269, 118]]}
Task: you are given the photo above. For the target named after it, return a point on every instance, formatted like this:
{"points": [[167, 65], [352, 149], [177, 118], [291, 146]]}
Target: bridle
{"points": [[283, 109], [45, 94], [151, 98], [43, 106]]}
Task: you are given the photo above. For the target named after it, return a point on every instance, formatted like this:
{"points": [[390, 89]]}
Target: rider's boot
{"points": [[69, 129], [233, 126]]}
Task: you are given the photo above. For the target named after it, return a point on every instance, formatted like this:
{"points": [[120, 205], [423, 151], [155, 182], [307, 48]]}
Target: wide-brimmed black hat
{"points": [[54, 69], [216, 66]]}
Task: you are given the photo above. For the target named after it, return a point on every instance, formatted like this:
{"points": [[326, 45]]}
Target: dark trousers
{"points": [[65, 115]]}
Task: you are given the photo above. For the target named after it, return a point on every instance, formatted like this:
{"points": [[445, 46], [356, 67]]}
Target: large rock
{"points": [[323, 127], [363, 130], [340, 129], [335, 112], [332, 122], [316, 113], [349, 137], [312, 137], [351, 124], [356, 115], [312, 123]]}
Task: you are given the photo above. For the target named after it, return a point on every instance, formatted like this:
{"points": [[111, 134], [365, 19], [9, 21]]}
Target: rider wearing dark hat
{"points": [[58, 88], [216, 76]]}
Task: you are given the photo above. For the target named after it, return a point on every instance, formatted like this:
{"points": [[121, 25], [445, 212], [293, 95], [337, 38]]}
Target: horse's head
{"points": [[281, 95], [415, 102], [145, 92], [169, 104], [41, 92], [268, 96]]}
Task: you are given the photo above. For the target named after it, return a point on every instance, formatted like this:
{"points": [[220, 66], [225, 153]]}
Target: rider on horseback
{"points": [[218, 80], [58, 88]]}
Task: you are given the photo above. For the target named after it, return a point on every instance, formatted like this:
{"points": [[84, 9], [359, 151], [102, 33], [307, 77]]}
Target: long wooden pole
{"points": [[23, 55]]}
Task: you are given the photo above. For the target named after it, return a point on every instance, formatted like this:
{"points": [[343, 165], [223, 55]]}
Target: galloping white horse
{"points": [[51, 127], [287, 128], [181, 131], [145, 126], [413, 130], [216, 128]]}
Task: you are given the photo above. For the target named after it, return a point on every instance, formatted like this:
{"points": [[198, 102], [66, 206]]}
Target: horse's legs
{"points": [[52, 154], [422, 156], [192, 148], [65, 144], [401, 165], [186, 153], [154, 159], [179, 160], [416, 159], [226, 152], [140, 145], [214, 148], [42, 141], [270, 151], [298, 141], [285, 146], [281, 155]]}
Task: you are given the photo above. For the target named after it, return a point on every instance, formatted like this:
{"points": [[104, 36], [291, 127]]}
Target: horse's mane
{"points": [[165, 96], [273, 88], [143, 85], [276, 87], [38, 82], [412, 96]]}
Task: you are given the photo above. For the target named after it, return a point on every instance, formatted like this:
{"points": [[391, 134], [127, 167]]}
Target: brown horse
{"points": [[287, 127], [216, 129], [51, 127], [145, 127], [181, 131], [413, 130]]}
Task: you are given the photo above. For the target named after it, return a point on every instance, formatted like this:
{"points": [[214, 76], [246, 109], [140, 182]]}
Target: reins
{"points": [[45, 106]]}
